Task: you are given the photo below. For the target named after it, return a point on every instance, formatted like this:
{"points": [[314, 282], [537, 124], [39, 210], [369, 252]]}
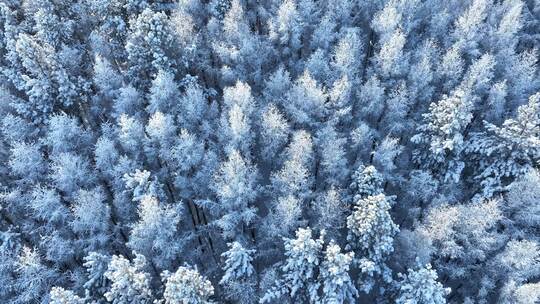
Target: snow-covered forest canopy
{"points": [[269, 151]]}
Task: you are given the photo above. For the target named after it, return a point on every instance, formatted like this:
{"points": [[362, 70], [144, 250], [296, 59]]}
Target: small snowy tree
{"points": [[520, 202], [91, 219], [71, 172], [239, 273], [65, 134], [129, 282], [470, 27], [300, 269], [348, 54], [274, 132], [366, 181], [294, 177], [391, 60], [337, 284], [523, 294], [331, 146], [286, 28], [508, 151], [421, 287], [235, 188], [462, 235], [150, 46], [61, 296], [285, 216], [26, 161], [385, 155], [186, 285], [330, 209], [371, 232], [442, 133], [45, 204], [131, 134], [237, 263], [164, 93], [236, 119], [96, 265], [33, 278], [105, 77], [193, 105], [306, 101], [155, 234], [127, 102]]}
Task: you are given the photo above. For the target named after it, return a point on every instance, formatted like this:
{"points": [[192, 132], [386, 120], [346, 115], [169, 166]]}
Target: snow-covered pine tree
{"points": [[421, 287], [186, 285], [371, 232], [509, 150], [129, 281], [239, 276]]}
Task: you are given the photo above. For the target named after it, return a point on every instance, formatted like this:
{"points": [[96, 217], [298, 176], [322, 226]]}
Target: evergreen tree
{"points": [[164, 93], [155, 234], [91, 219], [33, 278], [371, 232], [442, 132], [129, 282], [186, 285], [337, 284], [294, 177], [514, 144], [236, 121], [96, 265], [300, 269], [238, 278], [149, 46], [62, 296], [366, 181], [274, 132], [235, 188], [421, 286]]}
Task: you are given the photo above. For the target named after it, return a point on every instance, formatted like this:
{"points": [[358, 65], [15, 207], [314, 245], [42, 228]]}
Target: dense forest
{"points": [[269, 151]]}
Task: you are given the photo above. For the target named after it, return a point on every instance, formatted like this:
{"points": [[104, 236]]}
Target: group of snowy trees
{"points": [[293, 151]]}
